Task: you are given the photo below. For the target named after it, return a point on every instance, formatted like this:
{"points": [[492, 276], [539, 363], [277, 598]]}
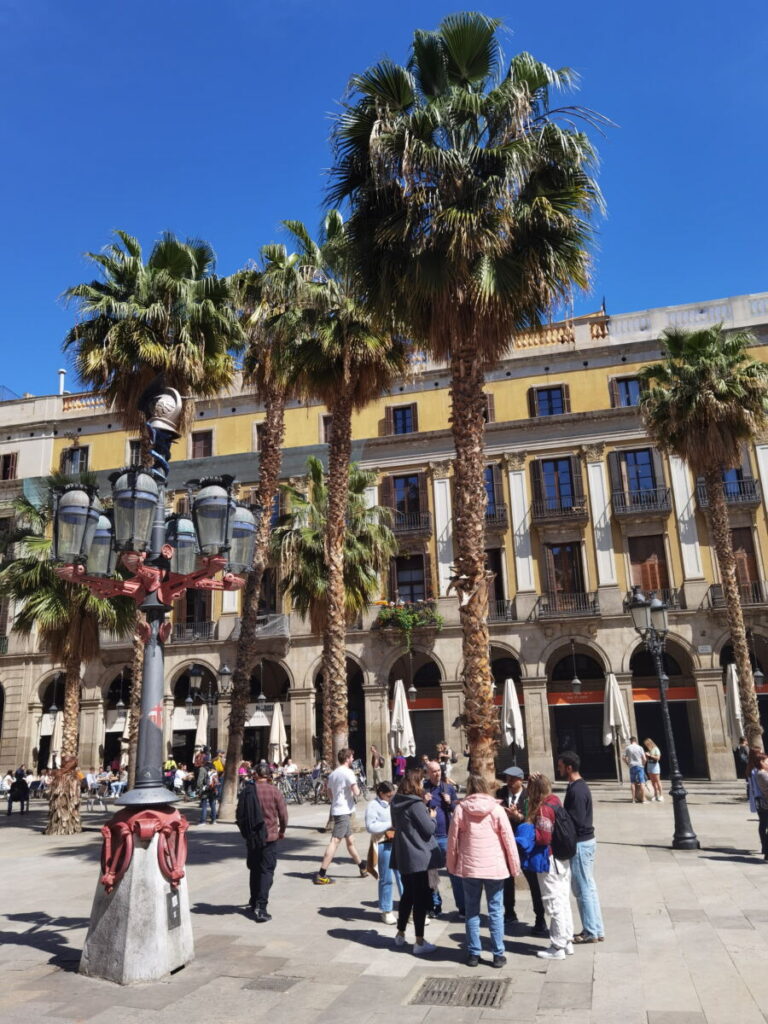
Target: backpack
{"points": [[563, 834]]}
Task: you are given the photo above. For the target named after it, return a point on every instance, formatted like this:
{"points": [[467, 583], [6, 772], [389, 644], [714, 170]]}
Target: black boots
{"points": [[260, 914]]}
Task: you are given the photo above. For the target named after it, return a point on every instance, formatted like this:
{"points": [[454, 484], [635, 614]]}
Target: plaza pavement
{"points": [[685, 932]]}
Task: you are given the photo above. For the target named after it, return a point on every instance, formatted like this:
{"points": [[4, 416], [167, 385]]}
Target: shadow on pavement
{"points": [[374, 940], [47, 935], [220, 909], [350, 914]]}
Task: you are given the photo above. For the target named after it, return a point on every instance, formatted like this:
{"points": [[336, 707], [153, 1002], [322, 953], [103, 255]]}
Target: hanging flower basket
{"points": [[398, 621]]}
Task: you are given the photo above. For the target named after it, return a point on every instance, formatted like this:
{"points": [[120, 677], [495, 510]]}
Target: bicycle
{"points": [[362, 782], [288, 787]]}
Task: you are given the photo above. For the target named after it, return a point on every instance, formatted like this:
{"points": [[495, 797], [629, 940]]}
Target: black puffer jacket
{"points": [[414, 834]]}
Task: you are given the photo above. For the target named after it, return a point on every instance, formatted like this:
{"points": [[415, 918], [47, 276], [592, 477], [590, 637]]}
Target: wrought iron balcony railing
{"points": [[749, 594], [501, 610], [649, 501], [549, 510], [414, 523], [740, 493], [192, 632], [560, 605], [496, 517], [673, 598]]}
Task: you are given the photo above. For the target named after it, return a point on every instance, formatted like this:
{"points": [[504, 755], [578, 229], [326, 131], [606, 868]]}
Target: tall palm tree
{"points": [[68, 619], [346, 360], [170, 317], [702, 403], [298, 546], [268, 300], [471, 196]]}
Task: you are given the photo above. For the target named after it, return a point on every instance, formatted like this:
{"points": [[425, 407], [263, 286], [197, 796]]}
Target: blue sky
{"points": [[212, 118]]}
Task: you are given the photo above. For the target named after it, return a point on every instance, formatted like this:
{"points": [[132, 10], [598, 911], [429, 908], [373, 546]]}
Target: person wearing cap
{"points": [[514, 800]]}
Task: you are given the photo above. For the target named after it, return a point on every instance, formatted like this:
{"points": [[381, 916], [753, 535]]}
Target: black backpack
{"points": [[563, 834]]}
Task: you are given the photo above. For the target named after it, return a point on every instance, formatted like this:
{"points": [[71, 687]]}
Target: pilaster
{"points": [[302, 701], [453, 706], [538, 730], [519, 511], [717, 744], [92, 735], [443, 504]]}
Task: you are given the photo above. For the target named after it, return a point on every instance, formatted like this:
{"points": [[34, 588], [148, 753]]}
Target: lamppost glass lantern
{"points": [[659, 617], [135, 496], [76, 516], [212, 512], [102, 554], [225, 680], [195, 674], [412, 693], [243, 539], [640, 610], [575, 682], [180, 534]]}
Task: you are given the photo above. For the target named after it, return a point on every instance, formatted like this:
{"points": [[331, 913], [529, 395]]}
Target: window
{"points": [[134, 453], [625, 391], [732, 481], [202, 444], [637, 479], [259, 435], [552, 401], [8, 466], [325, 428], [75, 460], [493, 494], [557, 480], [563, 568], [406, 493], [489, 413], [410, 578], [640, 475], [401, 419], [648, 561]]}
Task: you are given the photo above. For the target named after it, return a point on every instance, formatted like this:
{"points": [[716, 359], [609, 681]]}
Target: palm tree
{"points": [[170, 318], [68, 619], [271, 315], [471, 197], [346, 360], [702, 403], [298, 545]]}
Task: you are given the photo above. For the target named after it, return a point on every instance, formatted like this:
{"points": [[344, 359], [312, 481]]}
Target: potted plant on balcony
{"points": [[401, 619]]}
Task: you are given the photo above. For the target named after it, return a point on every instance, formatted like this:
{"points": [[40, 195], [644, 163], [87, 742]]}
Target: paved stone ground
{"points": [[686, 932]]}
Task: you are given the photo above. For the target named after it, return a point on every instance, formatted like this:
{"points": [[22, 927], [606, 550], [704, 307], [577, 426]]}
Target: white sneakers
{"points": [[556, 952], [388, 917], [423, 947], [399, 939]]}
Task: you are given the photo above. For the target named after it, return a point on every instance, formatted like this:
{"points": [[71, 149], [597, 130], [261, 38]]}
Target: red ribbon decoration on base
{"points": [[127, 825]]}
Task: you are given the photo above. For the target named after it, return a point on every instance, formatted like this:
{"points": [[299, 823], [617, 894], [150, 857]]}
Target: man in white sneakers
{"points": [[634, 755], [343, 791]]}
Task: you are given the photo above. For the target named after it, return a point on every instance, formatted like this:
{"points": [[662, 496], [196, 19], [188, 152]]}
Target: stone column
{"points": [[302, 725], [685, 510], [519, 514], [92, 732], [717, 743], [376, 727], [441, 495], [538, 731], [34, 718], [600, 503], [453, 706]]}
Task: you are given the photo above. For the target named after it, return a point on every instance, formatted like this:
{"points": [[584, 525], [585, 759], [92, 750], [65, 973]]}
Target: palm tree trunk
{"points": [[134, 703], [470, 583], [270, 460], [721, 536], [335, 633], [64, 804]]}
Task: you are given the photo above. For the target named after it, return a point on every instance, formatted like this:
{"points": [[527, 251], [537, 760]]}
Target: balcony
{"points": [[496, 518], [738, 494], [554, 510], [650, 502], [567, 606], [193, 632], [411, 524], [269, 625], [501, 610], [749, 594], [107, 639], [673, 598]]}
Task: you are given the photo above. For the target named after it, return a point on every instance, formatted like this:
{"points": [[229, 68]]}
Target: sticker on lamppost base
{"points": [[174, 909]]}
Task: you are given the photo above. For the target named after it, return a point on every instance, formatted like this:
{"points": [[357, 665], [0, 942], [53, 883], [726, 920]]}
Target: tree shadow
{"points": [[47, 935]]}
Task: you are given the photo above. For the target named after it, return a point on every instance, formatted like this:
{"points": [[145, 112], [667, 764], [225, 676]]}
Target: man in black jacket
{"points": [[514, 800], [578, 803], [262, 818]]}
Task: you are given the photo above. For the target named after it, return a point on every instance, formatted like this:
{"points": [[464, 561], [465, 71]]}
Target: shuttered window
{"points": [[635, 471], [134, 453], [325, 428], [493, 488], [624, 391], [550, 401], [401, 419], [75, 460], [202, 444], [744, 555], [490, 408], [557, 483], [648, 562], [410, 578], [8, 466], [562, 568]]}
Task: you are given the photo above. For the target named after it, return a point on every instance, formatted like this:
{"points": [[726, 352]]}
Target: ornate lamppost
{"points": [[208, 693], [140, 927], [649, 616]]}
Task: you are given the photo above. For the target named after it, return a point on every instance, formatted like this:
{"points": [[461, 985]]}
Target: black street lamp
{"points": [[208, 692], [575, 682], [649, 616]]}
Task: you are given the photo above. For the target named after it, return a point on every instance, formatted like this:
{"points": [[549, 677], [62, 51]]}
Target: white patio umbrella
{"points": [[201, 732], [54, 756], [278, 739], [511, 719], [615, 720], [733, 713], [400, 728]]}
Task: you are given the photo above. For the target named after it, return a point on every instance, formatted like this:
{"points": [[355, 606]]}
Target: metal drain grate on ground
{"points": [[461, 992]]}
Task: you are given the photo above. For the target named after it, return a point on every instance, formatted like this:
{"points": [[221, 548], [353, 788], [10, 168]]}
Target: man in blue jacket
{"points": [[441, 797]]}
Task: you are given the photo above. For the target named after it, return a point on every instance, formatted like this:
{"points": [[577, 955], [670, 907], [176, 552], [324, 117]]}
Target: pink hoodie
{"points": [[481, 843]]}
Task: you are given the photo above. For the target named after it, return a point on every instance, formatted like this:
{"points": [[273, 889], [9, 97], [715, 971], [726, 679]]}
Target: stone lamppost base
{"points": [[142, 930]]}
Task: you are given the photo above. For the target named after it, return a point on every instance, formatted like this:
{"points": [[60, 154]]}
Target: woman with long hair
{"points": [[482, 852], [534, 837], [415, 852], [378, 822], [653, 768]]}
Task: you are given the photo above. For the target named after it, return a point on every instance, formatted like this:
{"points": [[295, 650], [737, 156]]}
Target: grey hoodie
{"points": [[414, 834]]}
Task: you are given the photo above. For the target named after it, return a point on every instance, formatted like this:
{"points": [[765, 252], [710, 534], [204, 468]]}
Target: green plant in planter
{"points": [[407, 616]]}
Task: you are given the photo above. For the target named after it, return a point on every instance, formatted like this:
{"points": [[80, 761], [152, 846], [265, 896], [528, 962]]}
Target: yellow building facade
{"points": [[580, 508]]}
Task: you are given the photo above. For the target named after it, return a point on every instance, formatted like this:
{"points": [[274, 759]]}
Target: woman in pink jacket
{"points": [[482, 852]]}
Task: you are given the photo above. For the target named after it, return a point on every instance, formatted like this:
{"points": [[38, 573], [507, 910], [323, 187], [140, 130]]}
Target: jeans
{"points": [[584, 888], [456, 883], [556, 895], [262, 863], [206, 803], [417, 897], [494, 894], [386, 877], [762, 830]]}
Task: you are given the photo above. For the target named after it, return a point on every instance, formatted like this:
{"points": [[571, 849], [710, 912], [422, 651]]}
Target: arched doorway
{"points": [[270, 681], [116, 705], [49, 744], [506, 666], [427, 708], [576, 716], [683, 708], [355, 711], [191, 731]]}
